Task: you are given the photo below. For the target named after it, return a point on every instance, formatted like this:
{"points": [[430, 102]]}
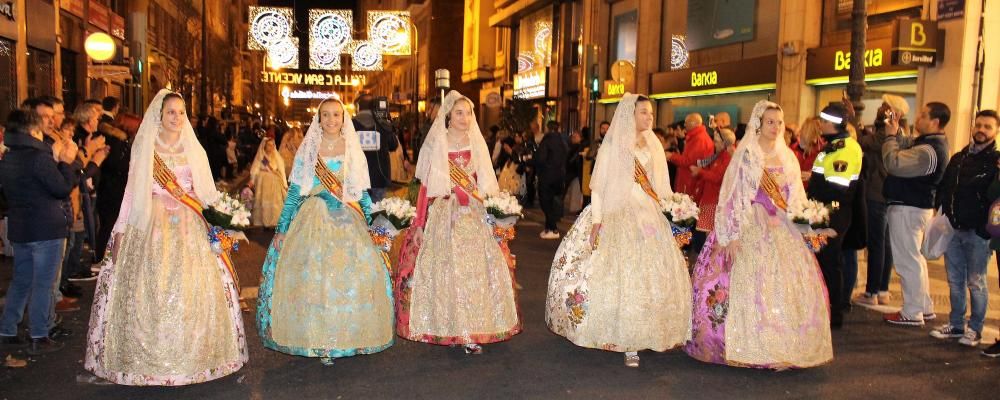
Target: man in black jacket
{"points": [[550, 165], [962, 196], [36, 187], [114, 175], [378, 157]]}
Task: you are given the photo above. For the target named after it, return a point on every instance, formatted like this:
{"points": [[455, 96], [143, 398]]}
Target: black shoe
{"points": [[43, 345], [60, 333], [992, 351], [84, 276], [12, 342], [71, 290]]}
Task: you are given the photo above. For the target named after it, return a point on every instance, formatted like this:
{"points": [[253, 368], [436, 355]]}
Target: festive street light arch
{"points": [[330, 35]]}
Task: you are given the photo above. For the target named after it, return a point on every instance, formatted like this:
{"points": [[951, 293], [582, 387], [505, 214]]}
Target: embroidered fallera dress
{"points": [[269, 194], [454, 286], [167, 312], [766, 306], [632, 293], [327, 293]]}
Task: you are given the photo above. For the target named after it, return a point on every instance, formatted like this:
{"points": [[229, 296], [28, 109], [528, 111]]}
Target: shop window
{"points": [[8, 87], [624, 36], [40, 76]]}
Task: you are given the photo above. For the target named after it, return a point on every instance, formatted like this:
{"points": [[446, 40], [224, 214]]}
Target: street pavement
{"points": [[872, 359]]}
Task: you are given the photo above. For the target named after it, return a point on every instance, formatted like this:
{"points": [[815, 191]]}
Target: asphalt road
{"points": [[873, 360]]}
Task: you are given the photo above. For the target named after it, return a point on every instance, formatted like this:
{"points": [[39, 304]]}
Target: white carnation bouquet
{"points": [[389, 217], [227, 213], [680, 210], [812, 213], [503, 208], [813, 219], [393, 212]]}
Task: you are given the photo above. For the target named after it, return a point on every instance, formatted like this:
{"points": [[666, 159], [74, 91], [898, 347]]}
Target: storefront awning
{"points": [[748, 75]]}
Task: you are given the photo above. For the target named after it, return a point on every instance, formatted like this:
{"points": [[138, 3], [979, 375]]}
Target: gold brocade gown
{"points": [[632, 292], [167, 312]]}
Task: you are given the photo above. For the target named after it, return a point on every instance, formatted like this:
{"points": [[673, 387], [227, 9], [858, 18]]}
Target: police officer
{"points": [[835, 175]]}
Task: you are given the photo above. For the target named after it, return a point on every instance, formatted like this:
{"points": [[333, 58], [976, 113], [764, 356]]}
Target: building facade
{"points": [[712, 56], [158, 44]]}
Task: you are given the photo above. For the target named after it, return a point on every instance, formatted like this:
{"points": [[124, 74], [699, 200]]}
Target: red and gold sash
{"points": [[770, 186], [462, 179], [643, 180], [333, 185], [168, 181]]}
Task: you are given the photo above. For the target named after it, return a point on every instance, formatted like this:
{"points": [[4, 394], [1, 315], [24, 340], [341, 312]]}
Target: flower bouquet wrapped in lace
{"points": [[503, 209], [813, 220], [682, 212], [389, 217], [228, 217]]}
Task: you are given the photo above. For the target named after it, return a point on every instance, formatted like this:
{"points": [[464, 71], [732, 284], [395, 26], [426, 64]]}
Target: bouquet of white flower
{"points": [[813, 219], [680, 210], [393, 212], [503, 208], [812, 213], [227, 213]]}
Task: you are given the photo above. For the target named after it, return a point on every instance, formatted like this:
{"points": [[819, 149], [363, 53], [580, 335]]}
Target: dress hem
{"points": [[475, 338], [130, 379]]}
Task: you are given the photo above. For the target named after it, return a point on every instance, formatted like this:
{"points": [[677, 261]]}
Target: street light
{"points": [[442, 81]]}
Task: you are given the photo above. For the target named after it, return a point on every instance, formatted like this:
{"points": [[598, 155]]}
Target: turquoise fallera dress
{"points": [[327, 292]]}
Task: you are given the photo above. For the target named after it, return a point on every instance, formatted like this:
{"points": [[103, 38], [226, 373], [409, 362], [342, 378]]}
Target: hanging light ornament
{"points": [[390, 31], [285, 53], [329, 35], [366, 56], [269, 26], [679, 55], [543, 42], [525, 61]]}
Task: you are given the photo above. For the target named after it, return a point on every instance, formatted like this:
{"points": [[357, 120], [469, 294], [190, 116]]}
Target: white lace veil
{"points": [[615, 166], [432, 164], [140, 172], [356, 179], [274, 160], [742, 179]]}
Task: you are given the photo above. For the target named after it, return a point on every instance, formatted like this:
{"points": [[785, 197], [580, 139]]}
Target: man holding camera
{"points": [[377, 140]]}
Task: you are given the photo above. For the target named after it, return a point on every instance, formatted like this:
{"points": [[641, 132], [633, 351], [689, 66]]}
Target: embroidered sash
{"points": [[643, 180], [462, 179], [333, 185], [168, 181], [770, 186]]}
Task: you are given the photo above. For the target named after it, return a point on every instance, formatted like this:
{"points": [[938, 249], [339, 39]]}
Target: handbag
{"points": [[937, 235]]}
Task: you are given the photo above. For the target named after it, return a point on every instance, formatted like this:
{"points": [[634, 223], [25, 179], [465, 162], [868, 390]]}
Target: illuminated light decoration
{"points": [[679, 55], [332, 25], [366, 56], [543, 42], [269, 26], [323, 54], [99, 46], [525, 62], [284, 54], [390, 31], [311, 95], [329, 36], [530, 84]]}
